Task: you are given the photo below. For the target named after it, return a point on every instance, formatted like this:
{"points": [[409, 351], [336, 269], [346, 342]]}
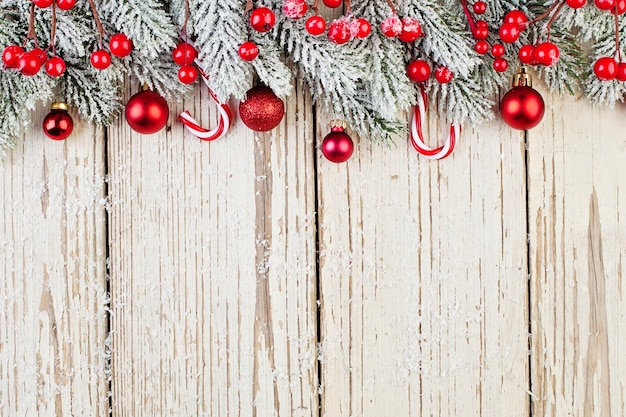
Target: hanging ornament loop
{"points": [[417, 136]]}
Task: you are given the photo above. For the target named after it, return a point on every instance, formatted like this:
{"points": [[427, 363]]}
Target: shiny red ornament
{"points": [[11, 55], [482, 47], [605, 4], [55, 66], [58, 124], [391, 26], [147, 112], [546, 53], [517, 17], [360, 28], [66, 4], [262, 19], [500, 64], [443, 75], [262, 110], [339, 31], [315, 25], [43, 3], [411, 30], [100, 59], [621, 72], [497, 50], [418, 71], [120, 45], [29, 64], [509, 32], [333, 4], [522, 107], [188, 74], [605, 68], [248, 51], [480, 7], [576, 4], [337, 146], [525, 54], [184, 54]]}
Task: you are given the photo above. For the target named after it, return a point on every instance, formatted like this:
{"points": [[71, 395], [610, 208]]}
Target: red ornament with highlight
{"points": [[248, 51], [337, 146], [522, 107], [411, 30], [262, 110], [605, 68], [55, 66], [11, 55], [184, 54], [443, 75], [100, 59], [418, 71], [58, 124], [315, 25], [66, 4], [120, 45], [262, 19], [147, 112]]}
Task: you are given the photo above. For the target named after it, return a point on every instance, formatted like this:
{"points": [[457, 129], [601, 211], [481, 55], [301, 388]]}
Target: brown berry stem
{"points": [[53, 30], [393, 8], [315, 6], [346, 4], [96, 17], [546, 13], [618, 53], [249, 7], [468, 15], [553, 18], [32, 33], [184, 29]]}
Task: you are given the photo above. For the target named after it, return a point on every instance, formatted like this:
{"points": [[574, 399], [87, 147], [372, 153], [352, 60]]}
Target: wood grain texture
{"points": [[577, 247], [423, 275], [53, 320], [213, 269]]}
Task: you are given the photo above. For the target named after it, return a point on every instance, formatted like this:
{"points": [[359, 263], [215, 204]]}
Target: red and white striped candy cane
{"points": [[226, 117], [417, 136]]}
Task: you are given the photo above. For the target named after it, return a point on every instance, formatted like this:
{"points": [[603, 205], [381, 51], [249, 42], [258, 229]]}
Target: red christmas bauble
{"points": [[481, 30], [315, 25], [411, 30], [337, 146], [418, 71], [262, 19], [66, 4], [100, 59], [184, 54], [248, 51], [522, 107], [147, 112], [120, 45], [58, 124], [516, 16], [262, 110], [497, 50], [55, 66], [11, 55]]}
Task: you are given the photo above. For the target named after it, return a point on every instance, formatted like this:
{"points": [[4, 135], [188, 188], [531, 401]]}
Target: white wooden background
{"points": [[163, 276]]}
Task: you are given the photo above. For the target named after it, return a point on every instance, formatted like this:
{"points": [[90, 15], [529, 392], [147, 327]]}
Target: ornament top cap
{"points": [[59, 105], [337, 123], [522, 78]]}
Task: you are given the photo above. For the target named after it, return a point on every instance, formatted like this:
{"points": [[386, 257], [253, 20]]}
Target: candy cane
{"points": [[226, 117], [417, 137]]}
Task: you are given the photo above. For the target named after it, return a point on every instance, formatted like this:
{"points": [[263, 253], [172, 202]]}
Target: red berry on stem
{"points": [[517, 17], [188, 74], [526, 54], [418, 71], [43, 3], [576, 4], [248, 51], [443, 75], [66, 4], [411, 30], [339, 32], [391, 26], [605, 68], [55, 66], [315, 25], [500, 64], [605, 4], [509, 32], [262, 19], [184, 54], [294, 9], [28, 63], [41, 55], [332, 3], [482, 47], [620, 7], [481, 30], [546, 53], [480, 7], [360, 28], [100, 59], [120, 45], [11, 55], [497, 50], [621, 72]]}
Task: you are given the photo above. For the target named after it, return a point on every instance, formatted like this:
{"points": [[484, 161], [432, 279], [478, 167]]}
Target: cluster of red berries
{"points": [[340, 30], [407, 29], [184, 55], [607, 68], [419, 71], [119, 45], [262, 20]]}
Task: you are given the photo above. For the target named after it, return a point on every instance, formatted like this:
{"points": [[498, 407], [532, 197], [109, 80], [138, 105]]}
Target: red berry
{"points": [[332, 3], [188, 74], [526, 54], [66, 4], [315, 25], [100, 59], [55, 66], [418, 71], [621, 72], [120, 45], [411, 30], [294, 9], [248, 51], [43, 3], [480, 7], [184, 54], [509, 32], [41, 55], [605, 68], [515, 16], [497, 50], [443, 75], [500, 64], [391, 26], [28, 63], [620, 7], [576, 4], [11, 54], [262, 19], [605, 4], [339, 32], [546, 53], [481, 30], [361, 28], [482, 47]]}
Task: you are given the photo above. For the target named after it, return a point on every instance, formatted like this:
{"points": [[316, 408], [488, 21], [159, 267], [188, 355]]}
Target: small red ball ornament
{"points": [[147, 112], [55, 66], [100, 59], [525, 54], [391, 26], [482, 47], [620, 7], [481, 30], [188, 74], [605, 68], [411, 30], [262, 19], [522, 107], [248, 51], [418, 71], [28, 63], [480, 7], [337, 146], [500, 64], [443, 75], [262, 110], [516, 16], [315, 25], [546, 53], [339, 31], [66, 4], [58, 124], [184, 54], [509, 32], [360, 28], [497, 50], [120, 45], [41, 55], [11, 54]]}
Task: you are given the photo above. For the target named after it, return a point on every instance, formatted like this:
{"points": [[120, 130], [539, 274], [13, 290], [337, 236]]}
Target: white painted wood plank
{"points": [[424, 280], [53, 321], [577, 240], [213, 269]]}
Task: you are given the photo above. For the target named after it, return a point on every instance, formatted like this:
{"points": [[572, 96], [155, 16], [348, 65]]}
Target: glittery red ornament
{"points": [[58, 124], [522, 107], [262, 110], [147, 112], [337, 146]]}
